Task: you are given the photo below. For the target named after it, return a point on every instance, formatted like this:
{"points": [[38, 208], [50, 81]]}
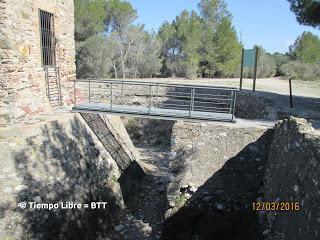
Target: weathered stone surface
{"points": [[22, 78], [292, 176], [220, 208], [56, 161], [287, 171], [199, 150]]}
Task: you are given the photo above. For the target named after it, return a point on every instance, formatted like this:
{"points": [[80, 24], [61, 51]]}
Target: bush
{"points": [[301, 71], [183, 69]]}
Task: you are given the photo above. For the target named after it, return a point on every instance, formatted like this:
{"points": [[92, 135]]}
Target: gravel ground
{"points": [[145, 212]]}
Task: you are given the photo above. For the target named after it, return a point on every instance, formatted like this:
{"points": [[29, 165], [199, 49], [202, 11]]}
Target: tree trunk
{"points": [[115, 71]]}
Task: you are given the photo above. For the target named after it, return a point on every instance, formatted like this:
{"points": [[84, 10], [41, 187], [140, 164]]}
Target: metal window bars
{"points": [[154, 99], [47, 38]]}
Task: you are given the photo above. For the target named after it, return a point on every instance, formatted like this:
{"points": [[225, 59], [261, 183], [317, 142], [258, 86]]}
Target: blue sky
{"points": [[269, 23]]}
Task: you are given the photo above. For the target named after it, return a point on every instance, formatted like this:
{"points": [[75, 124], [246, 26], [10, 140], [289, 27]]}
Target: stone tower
{"points": [[37, 56]]}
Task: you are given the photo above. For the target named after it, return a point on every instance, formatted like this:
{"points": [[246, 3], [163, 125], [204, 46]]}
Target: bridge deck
{"points": [[162, 113], [155, 100]]}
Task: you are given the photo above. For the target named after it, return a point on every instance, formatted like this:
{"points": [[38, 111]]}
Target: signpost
{"points": [[250, 60]]}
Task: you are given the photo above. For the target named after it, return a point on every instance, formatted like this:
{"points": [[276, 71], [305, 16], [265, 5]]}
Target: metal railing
{"points": [[152, 98]]}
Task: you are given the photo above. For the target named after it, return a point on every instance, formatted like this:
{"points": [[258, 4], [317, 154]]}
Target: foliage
{"points": [[89, 17], [213, 11], [266, 64], [94, 57], [301, 71], [204, 45], [227, 49], [120, 14], [108, 44], [306, 11], [306, 48]]}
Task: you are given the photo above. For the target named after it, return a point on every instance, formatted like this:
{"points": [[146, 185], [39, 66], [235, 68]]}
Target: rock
{"points": [[20, 188], [37, 199], [173, 155], [266, 232], [7, 190], [184, 188], [223, 134], [190, 184], [193, 189], [147, 229], [187, 195], [119, 227], [220, 206], [171, 177], [172, 204], [207, 198], [161, 189], [253, 148]]}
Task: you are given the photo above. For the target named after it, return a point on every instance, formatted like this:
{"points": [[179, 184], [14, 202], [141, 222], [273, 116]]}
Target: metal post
{"points": [[290, 89], [111, 96], [122, 92], [149, 99], [234, 104], [255, 70], [231, 102], [191, 102], [241, 71], [157, 92], [89, 90]]}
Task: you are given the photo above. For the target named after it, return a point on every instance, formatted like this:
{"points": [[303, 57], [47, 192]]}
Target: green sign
{"points": [[249, 56]]}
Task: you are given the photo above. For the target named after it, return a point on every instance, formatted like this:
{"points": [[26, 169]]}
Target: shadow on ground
{"points": [[274, 106], [61, 166], [221, 208]]}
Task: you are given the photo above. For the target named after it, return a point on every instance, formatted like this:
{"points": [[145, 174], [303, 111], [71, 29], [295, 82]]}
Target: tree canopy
{"points": [[306, 11], [110, 44], [306, 48]]}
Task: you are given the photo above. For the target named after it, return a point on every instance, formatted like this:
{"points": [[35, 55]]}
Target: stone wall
{"points": [[237, 167], [199, 150], [292, 176], [23, 91], [114, 137], [57, 161]]}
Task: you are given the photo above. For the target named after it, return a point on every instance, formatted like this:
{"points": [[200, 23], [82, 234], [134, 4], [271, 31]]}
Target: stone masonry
{"points": [[23, 90]]}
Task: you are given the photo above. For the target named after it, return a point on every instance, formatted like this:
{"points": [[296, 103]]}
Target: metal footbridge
{"points": [[155, 100]]}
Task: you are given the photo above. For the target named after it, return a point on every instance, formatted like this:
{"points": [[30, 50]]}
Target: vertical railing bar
{"points": [[149, 99], [89, 90], [157, 92], [234, 104], [122, 97], [191, 101], [231, 101], [111, 96], [193, 95]]}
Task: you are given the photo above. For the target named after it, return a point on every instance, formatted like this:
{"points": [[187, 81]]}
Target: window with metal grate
{"points": [[47, 39]]}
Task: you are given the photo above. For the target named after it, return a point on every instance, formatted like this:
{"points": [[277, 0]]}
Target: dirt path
{"points": [[145, 213]]}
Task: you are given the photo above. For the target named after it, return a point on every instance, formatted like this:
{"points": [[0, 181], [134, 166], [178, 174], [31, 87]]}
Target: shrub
{"points": [[302, 71]]}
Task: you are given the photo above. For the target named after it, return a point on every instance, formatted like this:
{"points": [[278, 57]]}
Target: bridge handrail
{"points": [[187, 100], [182, 85]]}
